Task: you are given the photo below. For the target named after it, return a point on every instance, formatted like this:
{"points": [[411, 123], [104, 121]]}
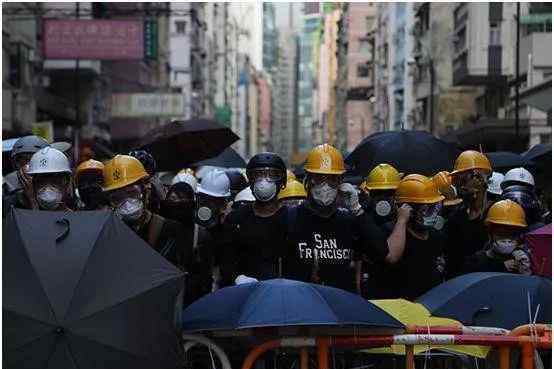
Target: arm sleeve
{"points": [[372, 240]]}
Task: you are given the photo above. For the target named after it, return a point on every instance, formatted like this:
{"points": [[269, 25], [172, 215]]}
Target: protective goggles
{"points": [[428, 210], [130, 192], [472, 179], [60, 181], [317, 179], [271, 174]]}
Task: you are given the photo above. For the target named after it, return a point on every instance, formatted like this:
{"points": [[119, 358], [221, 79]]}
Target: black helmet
{"points": [[237, 181], [267, 160], [147, 160], [28, 144], [526, 198]]}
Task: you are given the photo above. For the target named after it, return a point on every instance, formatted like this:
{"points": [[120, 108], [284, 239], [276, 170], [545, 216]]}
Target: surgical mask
{"points": [[49, 197], [264, 190], [130, 210], [504, 246], [323, 194]]}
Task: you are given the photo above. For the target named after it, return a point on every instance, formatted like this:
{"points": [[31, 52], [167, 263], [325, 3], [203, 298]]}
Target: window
{"points": [[364, 46], [494, 34], [180, 27], [385, 60], [363, 70]]}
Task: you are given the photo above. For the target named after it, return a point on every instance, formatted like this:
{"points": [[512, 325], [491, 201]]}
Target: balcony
{"points": [[490, 75]]}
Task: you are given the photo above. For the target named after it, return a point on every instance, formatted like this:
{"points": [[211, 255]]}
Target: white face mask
{"points": [[130, 210], [49, 197], [323, 194], [504, 246], [264, 190]]}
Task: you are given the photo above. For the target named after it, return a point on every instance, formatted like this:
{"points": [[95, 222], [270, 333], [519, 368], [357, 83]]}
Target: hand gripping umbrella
{"points": [[81, 290]]}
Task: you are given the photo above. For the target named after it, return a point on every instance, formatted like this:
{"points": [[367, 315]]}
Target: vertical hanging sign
{"points": [[150, 39]]}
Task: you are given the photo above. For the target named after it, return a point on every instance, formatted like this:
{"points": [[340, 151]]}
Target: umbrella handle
{"points": [[64, 234]]}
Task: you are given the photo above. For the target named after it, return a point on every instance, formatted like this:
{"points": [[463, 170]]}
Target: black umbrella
{"points": [[538, 152], [502, 161], [229, 158], [181, 143], [81, 290], [408, 151]]}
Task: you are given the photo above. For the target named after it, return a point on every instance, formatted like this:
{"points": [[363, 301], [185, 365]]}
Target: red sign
{"points": [[93, 39]]}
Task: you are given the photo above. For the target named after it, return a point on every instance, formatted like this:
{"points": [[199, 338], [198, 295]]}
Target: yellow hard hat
{"points": [[417, 189], [89, 166], [443, 181], [325, 159], [469, 160], [122, 171], [292, 189], [382, 177], [290, 175], [506, 212]]}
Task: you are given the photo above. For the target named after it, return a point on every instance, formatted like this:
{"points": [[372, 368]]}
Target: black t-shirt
{"points": [[417, 271], [464, 237], [481, 262], [258, 242], [331, 243]]}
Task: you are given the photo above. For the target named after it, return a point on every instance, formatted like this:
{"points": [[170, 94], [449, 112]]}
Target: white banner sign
{"points": [[147, 105]]}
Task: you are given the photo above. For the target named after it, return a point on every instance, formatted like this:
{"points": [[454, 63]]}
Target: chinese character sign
{"points": [[147, 105], [93, 39]]}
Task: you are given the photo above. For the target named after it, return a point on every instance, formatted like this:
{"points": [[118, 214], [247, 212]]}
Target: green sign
{"points": [[150, 39], [223, 115]]}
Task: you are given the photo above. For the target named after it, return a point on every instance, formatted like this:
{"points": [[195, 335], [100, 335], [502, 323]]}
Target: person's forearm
{"points": [[396, 242]]}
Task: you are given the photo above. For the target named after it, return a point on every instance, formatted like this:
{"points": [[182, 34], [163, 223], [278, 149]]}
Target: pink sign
{"points": [[93, 39]]}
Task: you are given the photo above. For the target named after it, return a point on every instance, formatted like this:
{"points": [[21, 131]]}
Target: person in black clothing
{"points": [[259, 228], [505, 252], [420, 267], [237, 181], [465, 230], [157, 189], [89, 178], [324, 242], [380, 184], [526, 198]]}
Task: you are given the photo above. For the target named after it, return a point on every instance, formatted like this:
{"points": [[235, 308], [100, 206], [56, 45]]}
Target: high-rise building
{"points": [[270, 38]]}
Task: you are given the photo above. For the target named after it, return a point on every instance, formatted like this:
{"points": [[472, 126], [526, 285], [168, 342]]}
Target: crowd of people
{"points": [[394, 236]]}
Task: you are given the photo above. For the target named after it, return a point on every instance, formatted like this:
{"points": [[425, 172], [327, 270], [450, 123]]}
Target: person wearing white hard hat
{"points": [[52, 180], [243, 198], [518, 176], [494, 190]]}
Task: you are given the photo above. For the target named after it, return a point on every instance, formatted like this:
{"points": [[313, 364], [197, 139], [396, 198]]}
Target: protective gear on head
{"points": [[122, 171], [49, 161], [89, 166], [292, 189], [147, 160], [184, 177], [323, 194], [507, 213], [504, 246], [469, 160], [28, 144], [417, 189], [130, 210], [518, 176], [494, 183], [264, 190], [215, 184], [267, 160], [245, 196], [49, 197], [325, 159], [243, 279], [527, 199], [382, 177], [443, 181]]}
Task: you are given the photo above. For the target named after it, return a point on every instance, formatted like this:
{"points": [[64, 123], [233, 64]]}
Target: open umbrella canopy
{"points": [[492, 299], [538, 152], [540, 243], [411, 313], [502, 161], [81, 290], [180, 143], [229, 158], [282, 302], [407, 151]]}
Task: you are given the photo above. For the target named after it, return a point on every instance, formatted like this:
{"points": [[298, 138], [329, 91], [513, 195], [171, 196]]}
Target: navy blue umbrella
{"points": [[283, 302], [491, 299]]}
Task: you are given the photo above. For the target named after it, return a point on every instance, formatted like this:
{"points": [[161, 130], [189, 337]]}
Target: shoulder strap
{"points": [[156, 225]]}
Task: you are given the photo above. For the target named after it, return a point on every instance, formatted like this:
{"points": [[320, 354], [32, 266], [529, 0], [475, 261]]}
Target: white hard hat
{"points": [[245, 195], [216, 184], [518, 176], [49, 160], [203, 170], [494, 183], [185, 178]]}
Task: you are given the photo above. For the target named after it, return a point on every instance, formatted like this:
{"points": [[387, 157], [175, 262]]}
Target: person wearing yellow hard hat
{"points": [[465, 229], [127, 190], [505, 251], [293, 194], [89, 179], [452, 201], [324, 241], [420, 265], [381, 184]]}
